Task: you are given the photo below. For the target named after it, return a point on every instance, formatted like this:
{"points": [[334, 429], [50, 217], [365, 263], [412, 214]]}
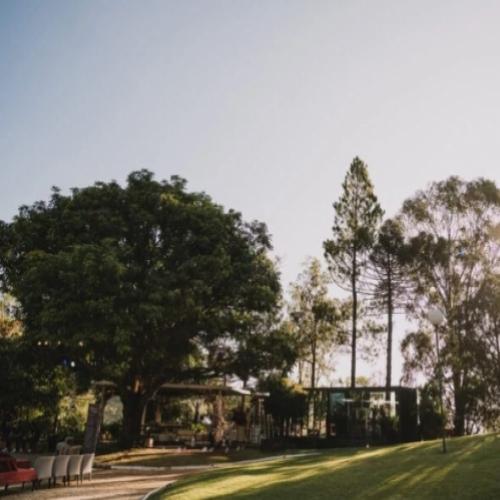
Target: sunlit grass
{"points": [[154, 457], [471, 469]]}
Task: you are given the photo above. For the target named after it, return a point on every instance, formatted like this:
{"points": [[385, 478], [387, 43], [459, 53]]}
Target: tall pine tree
{"points": [[386, 280], [357, 216]]}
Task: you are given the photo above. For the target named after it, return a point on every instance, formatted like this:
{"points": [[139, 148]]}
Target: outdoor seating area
{"points": [[204, 416], [51, 469]]}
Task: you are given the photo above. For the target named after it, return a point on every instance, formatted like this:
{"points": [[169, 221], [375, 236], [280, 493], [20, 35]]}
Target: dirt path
{"points": [[108, 484]]}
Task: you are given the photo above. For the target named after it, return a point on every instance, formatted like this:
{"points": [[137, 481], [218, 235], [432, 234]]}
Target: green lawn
{"points": [[170, 457], [471, 469]]}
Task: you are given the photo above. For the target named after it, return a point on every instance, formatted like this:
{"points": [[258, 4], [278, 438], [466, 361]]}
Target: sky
{"points": [[262, 104]]}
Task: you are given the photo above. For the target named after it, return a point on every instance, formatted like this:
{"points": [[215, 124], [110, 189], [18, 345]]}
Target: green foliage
{"points": [[387, 275], [134, 283], [487, 329], [267, 347], [10, 326], [287, 402], [452, 229], [73, 414], [31, 406], [318, 321], [430, 415], [357, 216], [386, 279]]}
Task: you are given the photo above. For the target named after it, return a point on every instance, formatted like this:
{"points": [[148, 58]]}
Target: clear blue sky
{"points": [[261, 103]]}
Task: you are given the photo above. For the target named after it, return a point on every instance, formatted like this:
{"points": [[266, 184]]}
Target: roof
{"points": [[363, 388], [204, 389]]}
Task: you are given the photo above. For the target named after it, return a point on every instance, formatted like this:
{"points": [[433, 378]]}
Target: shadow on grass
{"points": [[181, 458], [471, 469]]}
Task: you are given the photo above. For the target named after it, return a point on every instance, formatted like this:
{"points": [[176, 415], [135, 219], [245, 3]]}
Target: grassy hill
{"points": [[471, 469], [157, 457]]}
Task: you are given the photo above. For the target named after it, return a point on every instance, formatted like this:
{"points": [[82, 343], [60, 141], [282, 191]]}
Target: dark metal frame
{"points": [[406, 411]]}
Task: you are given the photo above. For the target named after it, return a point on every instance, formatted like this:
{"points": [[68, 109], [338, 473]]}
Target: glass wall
{"points": [[370, 416]]}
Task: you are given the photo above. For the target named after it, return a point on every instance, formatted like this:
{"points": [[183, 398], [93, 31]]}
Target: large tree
{"points": [[357, 216], [134, 284], [386, 280], [318, 321], [453, 231], [486, 323]]}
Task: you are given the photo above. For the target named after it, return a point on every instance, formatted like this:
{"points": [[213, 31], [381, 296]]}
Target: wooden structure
{"points": [[214, 415]]}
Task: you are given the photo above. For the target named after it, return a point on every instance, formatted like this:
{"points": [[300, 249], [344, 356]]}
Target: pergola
{"points": [[249, 399]]}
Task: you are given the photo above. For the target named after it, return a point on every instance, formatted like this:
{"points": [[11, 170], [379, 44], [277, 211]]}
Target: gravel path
{"points": [[105, 484]]}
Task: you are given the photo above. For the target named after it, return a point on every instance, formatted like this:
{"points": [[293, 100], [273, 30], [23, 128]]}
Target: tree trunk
{"points": [[219, 421], [313, 383], [354, 321], [158, 412], [133, 407], [388, 374], [459, 416]]}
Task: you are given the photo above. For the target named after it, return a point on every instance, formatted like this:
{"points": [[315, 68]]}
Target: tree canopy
{"points": [[135, 284], [386, 278], [317, 320], [452, 228], [357, 216]]}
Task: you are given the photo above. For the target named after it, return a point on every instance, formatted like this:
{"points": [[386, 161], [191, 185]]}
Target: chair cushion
{"points": [[22, 463], [17, 476]]}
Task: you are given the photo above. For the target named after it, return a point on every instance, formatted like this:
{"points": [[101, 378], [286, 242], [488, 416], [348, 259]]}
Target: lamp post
{"points": [[436, 317]]}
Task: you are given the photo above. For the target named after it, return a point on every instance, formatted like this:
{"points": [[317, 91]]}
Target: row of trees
{"points": [[441, 249], [149, 283], [453, 230]]}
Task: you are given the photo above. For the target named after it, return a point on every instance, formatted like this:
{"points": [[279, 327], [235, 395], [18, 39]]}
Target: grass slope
{"points": [[171, 457], [471, 469]]}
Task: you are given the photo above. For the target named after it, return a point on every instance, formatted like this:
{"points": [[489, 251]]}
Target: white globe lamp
{"points": [[435, 316]]}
